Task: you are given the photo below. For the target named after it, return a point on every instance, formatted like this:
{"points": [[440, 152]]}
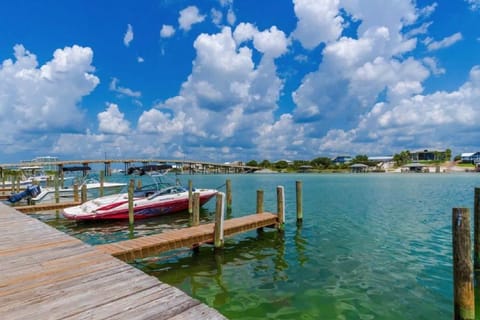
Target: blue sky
{"points": [[226, 80]]}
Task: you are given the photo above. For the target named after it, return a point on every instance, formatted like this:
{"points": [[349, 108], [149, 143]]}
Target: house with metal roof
{"points": [[470, 157]]}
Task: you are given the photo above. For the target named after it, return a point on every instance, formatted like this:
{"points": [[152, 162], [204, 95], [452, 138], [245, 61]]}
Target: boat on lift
{"points": [[160, 198]]}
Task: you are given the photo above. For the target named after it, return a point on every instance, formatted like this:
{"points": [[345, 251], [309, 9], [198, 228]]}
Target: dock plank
{"points": [[46, 274]]}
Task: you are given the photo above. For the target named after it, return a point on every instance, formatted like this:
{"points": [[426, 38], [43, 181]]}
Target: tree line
{"points": [[323, 163]]}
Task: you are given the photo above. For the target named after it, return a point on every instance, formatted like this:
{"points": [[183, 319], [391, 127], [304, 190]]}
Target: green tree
{"points": [[448, 154], [401, 158], [321, 162], [361, 158], [282, 164], [265, 164], [252, 163]]}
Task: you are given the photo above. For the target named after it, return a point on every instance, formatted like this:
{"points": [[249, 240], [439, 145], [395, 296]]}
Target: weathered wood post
{"points": [[131, 189], [219, 214], [260, 201], [196, 209], [139, 184], [75, 192], [260, 206], [281, 207], [298, 185], [463, 298], [102, 182], [229, 195], [84, 193], [476, 232], [57, 186], [190, 198]]}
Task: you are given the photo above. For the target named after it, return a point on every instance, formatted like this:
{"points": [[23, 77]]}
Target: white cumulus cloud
{"points": [[188, 17], [128, 37], [38, 100], [167, 31], [112, 121], [318, 21]]}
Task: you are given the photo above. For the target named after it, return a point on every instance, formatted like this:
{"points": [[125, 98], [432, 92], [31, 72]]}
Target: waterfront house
{"points": [[342, 159], [470, 157], [428, 155]]}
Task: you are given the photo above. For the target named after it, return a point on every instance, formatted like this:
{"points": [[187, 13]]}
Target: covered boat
{"points": [[159, 199]]}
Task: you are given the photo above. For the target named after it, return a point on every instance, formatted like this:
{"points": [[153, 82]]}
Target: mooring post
{"points": [[281, 207], [229, 195], [196, 209], [190, 198], [476, 233], [139, 184], [259, 201], [219, 214], [75, 192], [102, 182], [84, 193], [131, 188], [298, 186], [57, 186], [463, 298]]}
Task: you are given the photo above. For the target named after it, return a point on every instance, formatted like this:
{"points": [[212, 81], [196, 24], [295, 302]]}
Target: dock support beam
{"points": [[131, 188], [281, 207], [190, 199], [229, 195], [463, 299], [219, 216], [298, 185], [476, 233]]}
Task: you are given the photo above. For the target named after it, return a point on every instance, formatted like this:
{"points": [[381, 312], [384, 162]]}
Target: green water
{"points": [[370, 247]]}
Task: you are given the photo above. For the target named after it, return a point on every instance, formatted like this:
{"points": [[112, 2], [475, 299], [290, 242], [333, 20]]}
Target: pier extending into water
{"points": [[143, 247], [47, 274]]}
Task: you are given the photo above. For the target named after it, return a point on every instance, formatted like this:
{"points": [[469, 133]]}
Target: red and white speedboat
{"points": [[146, 203]]}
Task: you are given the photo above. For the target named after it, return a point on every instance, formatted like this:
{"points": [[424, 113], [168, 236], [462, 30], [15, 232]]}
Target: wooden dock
{"points": [[46, 274], [129, 250], [39, 208]]}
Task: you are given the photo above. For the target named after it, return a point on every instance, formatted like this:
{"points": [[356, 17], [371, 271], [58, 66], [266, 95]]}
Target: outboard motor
{"points": [[30, 191]]}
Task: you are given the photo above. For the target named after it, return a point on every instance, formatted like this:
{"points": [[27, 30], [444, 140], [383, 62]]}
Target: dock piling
{"points": [[229, 195], [464, 300], [260, 201], [196, 209], [131, 187], [476, 232], [102, 182], [75, 192], [219, 218], [299, 197], [57, 186], [84, 194], [190, 199], [281, 207]]}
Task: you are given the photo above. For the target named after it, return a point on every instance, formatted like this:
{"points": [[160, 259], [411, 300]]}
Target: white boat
{"points": [[47, 194]]}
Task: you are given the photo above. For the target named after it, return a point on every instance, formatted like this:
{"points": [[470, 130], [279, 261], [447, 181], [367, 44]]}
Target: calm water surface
{"points": [[370, 247]]}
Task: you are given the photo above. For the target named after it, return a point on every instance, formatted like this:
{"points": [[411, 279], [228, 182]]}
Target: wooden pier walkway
{"points": [[39, 208], [46, 274], [138, 248]]}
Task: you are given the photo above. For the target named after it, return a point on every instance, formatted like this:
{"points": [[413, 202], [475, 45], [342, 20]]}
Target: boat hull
{"points": [[143, 208]]}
